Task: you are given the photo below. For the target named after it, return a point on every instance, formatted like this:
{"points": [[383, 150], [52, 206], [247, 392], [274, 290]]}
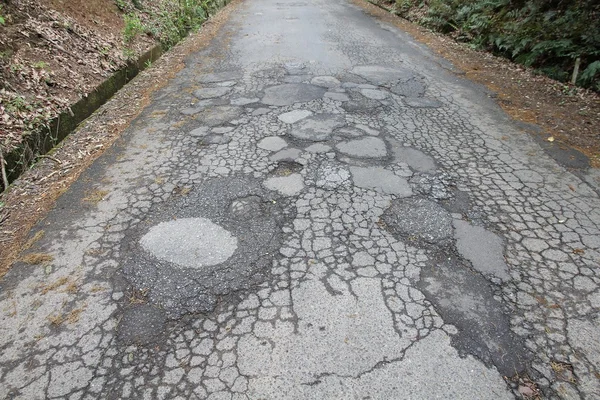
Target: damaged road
{"points": [[315, 207]]}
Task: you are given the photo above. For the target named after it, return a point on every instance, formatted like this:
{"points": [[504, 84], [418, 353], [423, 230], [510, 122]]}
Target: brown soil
{"points": [[103, 16], [30, 198], [52, 53], [568, 116]]}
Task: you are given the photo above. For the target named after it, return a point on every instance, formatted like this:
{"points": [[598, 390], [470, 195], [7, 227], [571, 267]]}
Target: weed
{"points": [[128, 53], [54, 285], [38, 235], [173, 25], [138, 296], [71, 317], [544, 34], [121, 5], [95, 196], [40, 65], [94, 252], [133, 27], [17, 104], [56, 319], [97, 289], [72, 287]]}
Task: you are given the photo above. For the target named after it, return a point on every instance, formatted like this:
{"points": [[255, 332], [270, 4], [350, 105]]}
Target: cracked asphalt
{"points": [[316, 207]]}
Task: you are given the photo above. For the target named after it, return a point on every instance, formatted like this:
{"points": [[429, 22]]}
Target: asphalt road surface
{"points": [[316, 207]]}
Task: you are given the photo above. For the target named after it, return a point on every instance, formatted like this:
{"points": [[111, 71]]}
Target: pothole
{"points": [[419, 220], [206, 245]]}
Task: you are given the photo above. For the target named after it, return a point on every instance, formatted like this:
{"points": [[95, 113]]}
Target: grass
{"points": [[38, 235], [95, 196], [71, 317], [55, 285], [71, 286], [133, 27], [37, 258], [138, 296], [40, 65]]}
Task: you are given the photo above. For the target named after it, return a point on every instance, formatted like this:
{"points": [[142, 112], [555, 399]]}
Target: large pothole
{"points": [[197, 248]]}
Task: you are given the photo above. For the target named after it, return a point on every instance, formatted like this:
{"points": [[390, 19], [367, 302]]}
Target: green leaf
{"points": [[588, 74]]}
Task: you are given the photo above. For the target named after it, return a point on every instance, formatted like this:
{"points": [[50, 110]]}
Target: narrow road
{"points": [[316, 207]]}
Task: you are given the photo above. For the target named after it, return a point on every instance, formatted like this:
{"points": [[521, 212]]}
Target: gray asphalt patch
{"points": [[337, 96], [216, 139], [419, 220], [142, 324], [417, 160], [381, 180], [325, 81], [413, 87], [369, 147], [290, 93], [190, 242], [272, 143], [422, 102], [466, 300], [219, 115], [221, 76], [289, 185], [382, 76], [318, 127], [484, 249], [374, 94], [209, 93], [294, 116], [286, 155]]}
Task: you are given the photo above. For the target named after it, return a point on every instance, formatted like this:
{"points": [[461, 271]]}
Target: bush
{"points": [[171, 24], [545, 34], [133, 27]]}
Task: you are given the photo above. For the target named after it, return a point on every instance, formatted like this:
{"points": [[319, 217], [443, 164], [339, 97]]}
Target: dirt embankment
{"points": [[52, 53], [34, 193]]}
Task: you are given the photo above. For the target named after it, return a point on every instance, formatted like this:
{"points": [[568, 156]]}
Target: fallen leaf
{"points": [[550, 139]]}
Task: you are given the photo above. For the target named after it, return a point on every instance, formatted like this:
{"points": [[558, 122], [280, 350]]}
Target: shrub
{"points": [[546, 34], [133, 27]]}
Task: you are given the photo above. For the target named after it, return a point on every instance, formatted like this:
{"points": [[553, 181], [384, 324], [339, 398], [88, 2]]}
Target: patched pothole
{"points": [[190, 242], [218, 239]]}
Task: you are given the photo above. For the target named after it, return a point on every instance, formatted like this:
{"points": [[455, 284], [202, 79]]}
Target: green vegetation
{"points": [[549, 35], [169, 21], [121, 5], [128, 53], [40, 65], [133, 27], [171, 25]]}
